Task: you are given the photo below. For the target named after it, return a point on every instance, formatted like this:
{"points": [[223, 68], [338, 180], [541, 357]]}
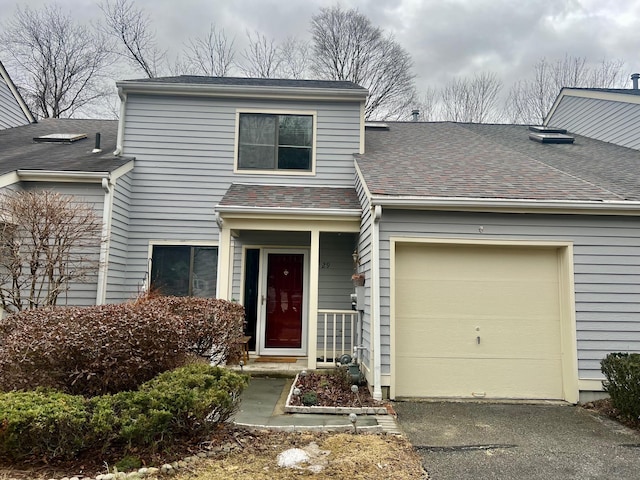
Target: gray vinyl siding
{"points": [[184, 150], [606, 269], [606, 120], [11, 115], [364, 252], [80, 293], [117, 272]]}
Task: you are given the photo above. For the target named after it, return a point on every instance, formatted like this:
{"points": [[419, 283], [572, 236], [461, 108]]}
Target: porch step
{"points": [[271, 369]]}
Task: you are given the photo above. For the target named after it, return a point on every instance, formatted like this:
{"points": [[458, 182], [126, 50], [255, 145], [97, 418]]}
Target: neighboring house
{"points": [[610, 115], [494, 266], [13, 109], [60, 155]]}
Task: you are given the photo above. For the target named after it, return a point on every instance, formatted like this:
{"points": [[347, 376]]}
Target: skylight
{"points": [[544, 134], [545, 129], [60, 137], [551, 137]]}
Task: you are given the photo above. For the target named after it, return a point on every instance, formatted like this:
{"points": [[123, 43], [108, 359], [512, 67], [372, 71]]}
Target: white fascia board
{"points": [[9, 179], [120, 171], [288, 211], [510, 205], [60, 176], [236, 91]]}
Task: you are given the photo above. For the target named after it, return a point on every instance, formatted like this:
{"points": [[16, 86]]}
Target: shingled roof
{"points": [[458, 160], [287, 197], [249, 82], [18, 150]]}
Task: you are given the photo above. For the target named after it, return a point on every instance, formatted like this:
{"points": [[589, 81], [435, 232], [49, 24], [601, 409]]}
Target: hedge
{"points": [[622, 373], [189, 401]]}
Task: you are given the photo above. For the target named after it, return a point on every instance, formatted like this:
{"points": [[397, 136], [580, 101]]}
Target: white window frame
{"points": [[179, 243], [270, 111]]}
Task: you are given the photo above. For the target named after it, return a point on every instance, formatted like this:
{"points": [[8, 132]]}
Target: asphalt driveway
{"points": [[471, 440]]}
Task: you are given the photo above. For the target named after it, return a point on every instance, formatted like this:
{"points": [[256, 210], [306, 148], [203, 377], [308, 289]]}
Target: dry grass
{"points": [[342, 456], [350, 457]]}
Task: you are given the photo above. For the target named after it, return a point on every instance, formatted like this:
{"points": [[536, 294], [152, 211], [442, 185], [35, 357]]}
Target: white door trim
{"points": [[262, 288]]}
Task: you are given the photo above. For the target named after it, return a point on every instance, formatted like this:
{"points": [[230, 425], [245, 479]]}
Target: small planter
{"points": [[358, 279]]}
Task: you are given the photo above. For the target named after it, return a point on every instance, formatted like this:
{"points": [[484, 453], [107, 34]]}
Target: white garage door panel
{"points": [[481, 378], [449, 295]]}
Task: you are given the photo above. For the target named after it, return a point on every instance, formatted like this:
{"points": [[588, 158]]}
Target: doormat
{"points": [[276, 360]]}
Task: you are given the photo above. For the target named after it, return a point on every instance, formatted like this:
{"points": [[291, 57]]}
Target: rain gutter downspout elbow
{"points": [[375, 293]]}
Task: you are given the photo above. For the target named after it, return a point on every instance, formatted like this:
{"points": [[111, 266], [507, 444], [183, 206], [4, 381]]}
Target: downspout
{"points": [[375, 300], [105, 240], [120, 138]]}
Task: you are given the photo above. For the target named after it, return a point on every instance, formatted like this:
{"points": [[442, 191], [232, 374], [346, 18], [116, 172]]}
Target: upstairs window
{"points": [[275, 142]]}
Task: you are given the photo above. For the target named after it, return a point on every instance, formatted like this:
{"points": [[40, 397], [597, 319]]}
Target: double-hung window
{"points": [[268, 141], [184, 270]]}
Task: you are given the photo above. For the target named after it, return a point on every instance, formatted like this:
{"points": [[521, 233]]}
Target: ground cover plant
{"points": [[189, 402]]}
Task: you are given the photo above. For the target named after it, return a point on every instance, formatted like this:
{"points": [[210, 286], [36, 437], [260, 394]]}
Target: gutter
{"points": [[513, 205], [289, 211], [53, 175], [240, 91]]}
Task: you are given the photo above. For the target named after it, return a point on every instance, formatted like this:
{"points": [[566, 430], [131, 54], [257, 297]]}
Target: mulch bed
{"points": [[332, 390], [606, 408]]}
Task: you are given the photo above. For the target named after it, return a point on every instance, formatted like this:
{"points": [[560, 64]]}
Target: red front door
{"points": [[284, 300]]}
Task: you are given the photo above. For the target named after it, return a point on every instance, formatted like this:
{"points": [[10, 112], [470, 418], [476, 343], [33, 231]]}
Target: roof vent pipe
{"points": [[634, 79], [415, 114], [96, 148]]}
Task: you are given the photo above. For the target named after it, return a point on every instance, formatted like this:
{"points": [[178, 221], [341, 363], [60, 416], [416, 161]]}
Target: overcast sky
{"points": [[445, 38]]}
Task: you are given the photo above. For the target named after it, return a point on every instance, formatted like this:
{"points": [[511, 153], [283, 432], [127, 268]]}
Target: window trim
{"points": [[177, 243], [270, 111]]}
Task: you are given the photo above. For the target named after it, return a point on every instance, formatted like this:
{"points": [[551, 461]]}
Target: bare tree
{"points": [[211, 55], [531, 99], [261, 58], [471, 99], [131, 27], [426, 104], [347, 46], [47, 242], [58, 63], [294, 58]]}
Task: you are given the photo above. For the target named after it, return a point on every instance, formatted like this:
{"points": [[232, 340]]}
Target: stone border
{"points": [[288, 408], [312, 428]]}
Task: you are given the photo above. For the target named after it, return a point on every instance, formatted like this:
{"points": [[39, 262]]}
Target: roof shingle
{"points": [[290, 197], [494, 161], [18, 151]]}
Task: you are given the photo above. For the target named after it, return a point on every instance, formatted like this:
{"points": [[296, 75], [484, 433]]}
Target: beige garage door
{"points": [[477, 321]]}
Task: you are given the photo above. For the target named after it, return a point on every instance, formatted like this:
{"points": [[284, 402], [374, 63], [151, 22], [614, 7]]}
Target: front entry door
{"points": [[284, 304]]}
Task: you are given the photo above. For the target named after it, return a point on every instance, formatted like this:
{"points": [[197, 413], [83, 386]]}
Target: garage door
{"points": [[477, 321]]}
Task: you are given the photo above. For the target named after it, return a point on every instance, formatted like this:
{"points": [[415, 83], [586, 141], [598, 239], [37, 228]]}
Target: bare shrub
{"points": [[89, 350], [48, 241], [212, 327]]}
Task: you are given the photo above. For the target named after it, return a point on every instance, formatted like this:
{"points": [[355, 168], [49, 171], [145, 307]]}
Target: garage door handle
{"points": [[478, 340]]}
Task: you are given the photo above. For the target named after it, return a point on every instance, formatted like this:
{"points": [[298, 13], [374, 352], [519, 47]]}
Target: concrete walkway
{"points": [[473, 440], [263, 403]]}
